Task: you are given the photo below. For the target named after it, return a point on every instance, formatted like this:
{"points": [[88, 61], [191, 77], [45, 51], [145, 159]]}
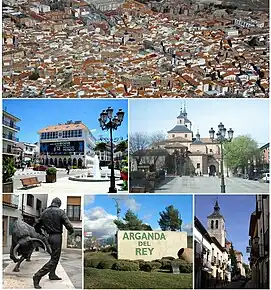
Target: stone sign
{"points": [[150, 245]]}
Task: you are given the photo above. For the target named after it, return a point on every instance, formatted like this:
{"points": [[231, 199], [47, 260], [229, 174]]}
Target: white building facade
{"points": [[70, 143], [9, 131]]}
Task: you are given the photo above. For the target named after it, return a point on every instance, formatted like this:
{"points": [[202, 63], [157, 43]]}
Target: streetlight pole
{"points": [[108, 122], [221, 139]]}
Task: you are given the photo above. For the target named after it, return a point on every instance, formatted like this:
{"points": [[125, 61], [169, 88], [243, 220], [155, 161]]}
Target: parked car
{"points": [[266, 177], [41, 168]]}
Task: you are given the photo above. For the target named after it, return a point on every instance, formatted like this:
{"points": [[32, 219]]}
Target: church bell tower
{"points": [[216, 225]]}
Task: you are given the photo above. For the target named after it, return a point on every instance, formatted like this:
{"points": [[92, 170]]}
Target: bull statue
{"points": [[24, 240]]}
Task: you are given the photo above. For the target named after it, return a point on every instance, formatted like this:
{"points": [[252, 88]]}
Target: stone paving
{"points": [[23, 279], [65, 185], [208, 184]]}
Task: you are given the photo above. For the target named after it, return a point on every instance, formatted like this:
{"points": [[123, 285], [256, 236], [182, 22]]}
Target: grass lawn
{"points": [[108, 279]]}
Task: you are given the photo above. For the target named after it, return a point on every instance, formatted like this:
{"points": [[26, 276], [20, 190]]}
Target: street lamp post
{"points": [[221, 139], [108, 122]]}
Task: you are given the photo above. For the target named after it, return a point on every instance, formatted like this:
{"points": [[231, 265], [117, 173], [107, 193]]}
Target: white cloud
{"points": [[93, 130], [132, 204], [187, 228], [99, 222], [147, 217], [89, 199]]}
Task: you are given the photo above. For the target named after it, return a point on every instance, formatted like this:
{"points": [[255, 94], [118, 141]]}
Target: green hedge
{"points": [[92, 262], [122, 265], [168, 258], [106, 264], [166, 264], [150, 266], [184, 266], [109, 249]]}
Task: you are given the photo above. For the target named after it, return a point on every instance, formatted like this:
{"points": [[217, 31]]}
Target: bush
{"points": [[156, 265], [184, 266], [146, 267], [109, 249], [92, 262], [150, 266], [74, 167], [106, 264], [51, 171], [168, 258], [8, 169], [166, 264], [140, 262], [126, 266]]}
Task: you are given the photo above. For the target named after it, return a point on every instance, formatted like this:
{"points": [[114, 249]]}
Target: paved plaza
{"points": [[204, 184], [69, 269], [63, 184]]}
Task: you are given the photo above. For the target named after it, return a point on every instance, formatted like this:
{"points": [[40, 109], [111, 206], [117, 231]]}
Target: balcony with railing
{"points": [[10, 125], [9, 150], [10, 137]]}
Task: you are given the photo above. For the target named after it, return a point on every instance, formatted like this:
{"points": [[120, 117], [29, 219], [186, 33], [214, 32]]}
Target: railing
{"points": [[6, 136], [11, 125]]}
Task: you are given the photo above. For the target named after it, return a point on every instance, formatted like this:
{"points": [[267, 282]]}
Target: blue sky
{"points": [[100, 210], [37, 114], [244, 116], [236, 210]]}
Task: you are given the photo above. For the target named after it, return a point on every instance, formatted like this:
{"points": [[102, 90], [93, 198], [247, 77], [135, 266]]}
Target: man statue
{"points": [[52, 220]]}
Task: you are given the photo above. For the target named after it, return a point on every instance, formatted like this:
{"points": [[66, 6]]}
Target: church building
{"points": [[193, 155]]}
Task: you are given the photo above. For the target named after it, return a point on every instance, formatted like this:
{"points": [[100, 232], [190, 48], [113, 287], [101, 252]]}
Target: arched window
{"points": [[216, 224], [212, 224]]}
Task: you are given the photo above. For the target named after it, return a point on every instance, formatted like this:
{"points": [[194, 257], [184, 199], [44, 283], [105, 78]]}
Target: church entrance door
{"points": [[212, 170]]}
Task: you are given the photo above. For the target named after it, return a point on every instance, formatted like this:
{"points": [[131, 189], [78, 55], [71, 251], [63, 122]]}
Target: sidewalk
{"points": [[23, 279], [69, 186]]}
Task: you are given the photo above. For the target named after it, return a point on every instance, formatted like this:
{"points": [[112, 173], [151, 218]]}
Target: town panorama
{"points": [[131, 49]]}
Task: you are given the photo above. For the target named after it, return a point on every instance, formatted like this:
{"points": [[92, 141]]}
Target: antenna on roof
{"points": [[181, 106], [184, 109]]}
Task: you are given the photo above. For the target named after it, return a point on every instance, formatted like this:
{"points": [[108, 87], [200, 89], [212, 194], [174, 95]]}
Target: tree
{"points": [[232, 257], [138, 143], [121, 146], [170, 219], [142, 145], [238, 152], [101, 146], [131, 222]]}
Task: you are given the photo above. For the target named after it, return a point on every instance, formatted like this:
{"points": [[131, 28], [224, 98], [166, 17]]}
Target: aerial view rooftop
{"points": [[116, 49]]}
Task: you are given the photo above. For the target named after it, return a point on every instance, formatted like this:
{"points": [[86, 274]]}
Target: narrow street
{"points": [[236, 285]]}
